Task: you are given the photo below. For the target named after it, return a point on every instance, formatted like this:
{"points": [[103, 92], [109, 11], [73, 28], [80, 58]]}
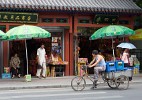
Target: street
{"points": [[101, 93]]}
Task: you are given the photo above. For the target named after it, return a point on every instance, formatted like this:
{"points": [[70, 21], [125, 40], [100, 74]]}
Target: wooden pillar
{"points": [[71, 54], [75, 24], [68, 43], [5, 51], [66, 51]]}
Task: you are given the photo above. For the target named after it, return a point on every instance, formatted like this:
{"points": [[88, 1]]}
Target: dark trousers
{"points": [[14, 71], [18, 71], [127, 65]]}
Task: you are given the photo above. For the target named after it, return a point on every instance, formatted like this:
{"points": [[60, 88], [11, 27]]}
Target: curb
{"points": [[56, 86]]}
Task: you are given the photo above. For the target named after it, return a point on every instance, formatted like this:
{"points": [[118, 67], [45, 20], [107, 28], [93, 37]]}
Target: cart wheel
{"points": [[112, 84], [78, 83], [122, 82]]}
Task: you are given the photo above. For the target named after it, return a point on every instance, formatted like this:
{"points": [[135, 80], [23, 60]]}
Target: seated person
{"points": [[99, 64], [54, 57], [15, 66], [54, 61]]}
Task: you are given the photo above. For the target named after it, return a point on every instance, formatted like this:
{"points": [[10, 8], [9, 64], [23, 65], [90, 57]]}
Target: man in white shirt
{"points": [[41, 55]]}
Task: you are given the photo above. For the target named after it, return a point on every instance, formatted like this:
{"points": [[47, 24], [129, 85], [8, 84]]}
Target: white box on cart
{"points": [[128, 73], [118, 73], [110, 75]]}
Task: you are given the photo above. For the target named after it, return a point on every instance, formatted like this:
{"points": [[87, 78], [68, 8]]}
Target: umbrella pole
{"points": [[113, 50], [26, 55]]}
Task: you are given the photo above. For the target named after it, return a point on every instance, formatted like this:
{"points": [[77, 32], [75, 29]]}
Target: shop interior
{"points": [[104, 46], [18, 46]]}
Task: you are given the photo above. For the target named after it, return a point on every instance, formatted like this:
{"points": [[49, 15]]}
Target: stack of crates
{"points": [[110, 69], [110, 66], [6, 74]]}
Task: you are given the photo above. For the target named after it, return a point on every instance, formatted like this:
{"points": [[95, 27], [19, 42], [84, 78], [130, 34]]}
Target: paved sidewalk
{"points": [[49, 82]]}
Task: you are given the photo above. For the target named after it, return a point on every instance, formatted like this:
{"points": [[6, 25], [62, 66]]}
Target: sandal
{"points": [[19, 76], [13, 76]]}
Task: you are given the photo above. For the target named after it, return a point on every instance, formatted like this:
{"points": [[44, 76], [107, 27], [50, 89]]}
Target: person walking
{"points": [[41, 60], [99, 64]]}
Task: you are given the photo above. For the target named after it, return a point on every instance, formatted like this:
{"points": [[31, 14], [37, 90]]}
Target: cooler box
{"points": [[110, 66], [119, 65], [6, 76]]}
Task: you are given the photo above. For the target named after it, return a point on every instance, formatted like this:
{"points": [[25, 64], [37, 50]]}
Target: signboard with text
{"points": [[18, 17]]}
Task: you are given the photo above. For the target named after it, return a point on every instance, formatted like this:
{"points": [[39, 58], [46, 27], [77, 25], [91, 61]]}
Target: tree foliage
{"points": [[138, 2]]}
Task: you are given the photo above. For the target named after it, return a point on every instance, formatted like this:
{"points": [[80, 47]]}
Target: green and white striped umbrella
{"points": [[112, 31], [27, 32]]}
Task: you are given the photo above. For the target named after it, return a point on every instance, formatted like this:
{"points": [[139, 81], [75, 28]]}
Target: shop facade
{"points": [[65, 20]]}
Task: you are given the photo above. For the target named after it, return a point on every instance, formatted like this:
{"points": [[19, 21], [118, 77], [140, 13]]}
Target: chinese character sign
{"points": [[18, 17]]}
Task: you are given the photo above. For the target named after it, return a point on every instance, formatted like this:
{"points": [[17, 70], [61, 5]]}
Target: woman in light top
{"points": [[99, 64], [125, 57]]}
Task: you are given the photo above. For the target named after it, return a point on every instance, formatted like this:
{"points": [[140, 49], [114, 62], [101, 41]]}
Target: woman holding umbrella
{"points": [[125, 57]]}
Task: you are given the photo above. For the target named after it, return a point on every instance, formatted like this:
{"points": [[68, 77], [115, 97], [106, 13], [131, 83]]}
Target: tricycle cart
{"points": [[116, 79]]}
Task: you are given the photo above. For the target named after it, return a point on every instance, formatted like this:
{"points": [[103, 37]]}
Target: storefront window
{"points": [[124, 22], [3, 28], [84, 21], [12, 27], [62, 20], [48, 20], [57, 43]]}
